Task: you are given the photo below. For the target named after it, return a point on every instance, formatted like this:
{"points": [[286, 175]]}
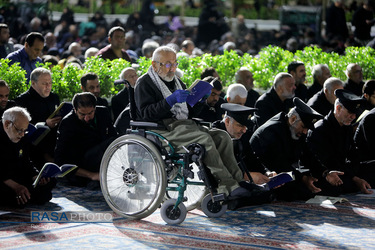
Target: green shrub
{"points": [[14, 75], [269, 62]]}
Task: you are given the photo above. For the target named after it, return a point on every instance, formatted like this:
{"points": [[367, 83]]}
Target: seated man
{"points": [[5, 103], [236, 122], [160, 97], [90, 83], [364, 139], [329, 145], [121, 99], [274, 100], [237, 94], [320, 74], [17, 170], [278, 146], [369, 94], [245, 77], [41, 102], [298, 71], [82, 138], [211, 110], [324, 100], [354, 82]]}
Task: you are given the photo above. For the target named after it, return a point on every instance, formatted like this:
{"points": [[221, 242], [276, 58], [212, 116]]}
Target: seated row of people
{"points": [[277, 145]]}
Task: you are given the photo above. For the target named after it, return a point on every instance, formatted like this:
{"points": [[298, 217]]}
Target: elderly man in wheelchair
{"points": [[135, 172]]}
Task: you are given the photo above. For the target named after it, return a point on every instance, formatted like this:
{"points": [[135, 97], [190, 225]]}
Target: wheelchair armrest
{"points": [[146, 124], [202, 122]]}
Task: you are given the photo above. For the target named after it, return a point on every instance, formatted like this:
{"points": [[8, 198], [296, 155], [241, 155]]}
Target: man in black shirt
{"points": [[17, 170], [90, 83], [41, 103], [5, 103], [323, 101], [83, 136], [329, 145]]}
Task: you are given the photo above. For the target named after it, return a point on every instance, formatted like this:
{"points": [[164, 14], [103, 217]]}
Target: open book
{"points": [[280, 179], [62, 110], [197, 91], [325, 200], [37, 132], [51, 169]]}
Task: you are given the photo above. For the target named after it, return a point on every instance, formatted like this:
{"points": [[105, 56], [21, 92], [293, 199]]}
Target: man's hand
{"points": [[309, 182], [334, 179], [363, 185], [259, 178], [22, 194], [53, 122], [179, 96]]}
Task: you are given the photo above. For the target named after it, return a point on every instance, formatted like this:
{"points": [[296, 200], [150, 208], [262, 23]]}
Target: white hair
{"points": [[236, 89], [11, 114], [91, 52], [332, 82]]}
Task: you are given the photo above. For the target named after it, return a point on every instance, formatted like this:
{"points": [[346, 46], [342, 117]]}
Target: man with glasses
{"points": [[17, 170], [41, 103], [83, 136], [355, 79], [160, 97]]}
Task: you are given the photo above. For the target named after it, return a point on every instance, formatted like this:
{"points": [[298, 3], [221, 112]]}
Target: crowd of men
{"points": [[325, 141], [321, 132]]}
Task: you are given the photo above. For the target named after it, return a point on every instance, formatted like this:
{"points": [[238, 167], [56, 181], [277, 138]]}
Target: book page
{"points": [[326, 200]]}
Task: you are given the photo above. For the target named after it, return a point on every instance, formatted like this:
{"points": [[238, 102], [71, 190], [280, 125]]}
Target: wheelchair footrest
{"points": [[218, 197]]}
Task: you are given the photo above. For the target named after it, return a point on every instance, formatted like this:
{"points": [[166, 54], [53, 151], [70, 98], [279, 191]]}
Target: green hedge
{"points": [[270, 61]]}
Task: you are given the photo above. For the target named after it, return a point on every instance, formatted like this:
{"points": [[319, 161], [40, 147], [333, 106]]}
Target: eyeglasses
{"points": [[168, 65], [20, 131]]}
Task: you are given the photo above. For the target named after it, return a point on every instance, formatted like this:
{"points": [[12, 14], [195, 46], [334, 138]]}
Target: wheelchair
{"points": [[138, 174]]}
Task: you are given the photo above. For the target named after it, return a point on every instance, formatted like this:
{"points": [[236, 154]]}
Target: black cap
{"points": [[350, 101], [241, 114], [308, 115]]}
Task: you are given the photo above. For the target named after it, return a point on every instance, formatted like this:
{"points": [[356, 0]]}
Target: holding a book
{"points": [[17, 171]]}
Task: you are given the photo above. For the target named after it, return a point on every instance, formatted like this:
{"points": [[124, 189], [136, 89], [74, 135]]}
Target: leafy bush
{"points": [[269, 62], [14, 75]]}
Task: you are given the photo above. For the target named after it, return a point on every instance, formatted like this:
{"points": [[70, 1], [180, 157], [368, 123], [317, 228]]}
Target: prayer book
{"points": [[197, 91], [51, 169], [62, 110], [37, 132]]}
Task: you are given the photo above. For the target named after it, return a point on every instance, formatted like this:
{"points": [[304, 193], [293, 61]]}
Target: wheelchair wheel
{"points": [[193, 193], [213, 209], [132, 176], [171, 216]]}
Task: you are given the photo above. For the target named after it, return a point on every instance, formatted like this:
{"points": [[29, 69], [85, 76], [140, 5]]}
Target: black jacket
{"points": [[75, 138], [268, 105], [328, 147], [40, 108], [365, 137], [272, 143], [320, 103], [151, 105]]}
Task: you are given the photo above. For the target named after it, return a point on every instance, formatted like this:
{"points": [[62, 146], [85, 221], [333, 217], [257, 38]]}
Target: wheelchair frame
{"points": [[174, 174]]}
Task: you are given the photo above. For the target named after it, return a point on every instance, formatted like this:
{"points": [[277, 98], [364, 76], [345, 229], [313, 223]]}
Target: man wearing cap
{"points": [[328, 147], [278, 144], [274, 100], [239, 126]]}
